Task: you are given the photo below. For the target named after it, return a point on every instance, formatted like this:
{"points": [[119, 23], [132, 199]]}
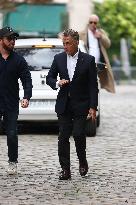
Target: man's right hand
{"points": [[24, 103], [97, 34], [63, 82]]}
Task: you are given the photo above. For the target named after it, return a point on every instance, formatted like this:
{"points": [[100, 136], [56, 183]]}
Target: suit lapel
{"points": [[64, 65], [80, 61]]}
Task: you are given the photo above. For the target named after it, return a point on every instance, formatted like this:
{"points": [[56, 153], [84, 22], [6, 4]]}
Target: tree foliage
{"points": [[118, 18]]}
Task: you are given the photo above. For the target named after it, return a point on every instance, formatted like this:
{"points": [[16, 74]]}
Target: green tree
{"points": [[118, 18]]}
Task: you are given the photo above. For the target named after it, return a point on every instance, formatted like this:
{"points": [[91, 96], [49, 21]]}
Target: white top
{"points": [[93, 46], [71, 64]]}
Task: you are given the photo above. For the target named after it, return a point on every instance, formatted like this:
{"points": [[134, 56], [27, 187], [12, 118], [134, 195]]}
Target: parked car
{"points": [[39, 54]]}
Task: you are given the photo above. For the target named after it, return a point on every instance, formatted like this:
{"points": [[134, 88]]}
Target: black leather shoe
{"points": [[83, 168], [65, 175]]}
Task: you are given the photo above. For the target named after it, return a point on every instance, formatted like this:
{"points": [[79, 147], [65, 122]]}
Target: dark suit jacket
{"points": [[83, 89], [11, 70]]}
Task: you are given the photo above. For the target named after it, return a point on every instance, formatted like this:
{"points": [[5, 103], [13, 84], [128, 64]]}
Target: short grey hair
{"points": [[94, 16], [72, 33]]}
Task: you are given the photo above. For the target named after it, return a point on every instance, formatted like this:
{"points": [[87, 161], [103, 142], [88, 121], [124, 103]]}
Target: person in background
{"points": [[12, 67], [77, 97], [97, 41]]}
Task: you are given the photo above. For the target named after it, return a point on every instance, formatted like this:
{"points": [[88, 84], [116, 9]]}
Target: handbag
{"points": [[101, 66]]}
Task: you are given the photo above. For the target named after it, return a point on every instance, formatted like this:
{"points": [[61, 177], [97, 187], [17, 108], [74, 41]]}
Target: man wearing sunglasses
{"points": [[97, 41], [12, 68]]}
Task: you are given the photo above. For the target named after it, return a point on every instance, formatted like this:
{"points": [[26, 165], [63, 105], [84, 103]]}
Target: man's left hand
{"points": [[24, 103]]}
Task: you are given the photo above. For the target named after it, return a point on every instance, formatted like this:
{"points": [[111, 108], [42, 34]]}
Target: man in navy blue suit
{"points": [[77, 97]]}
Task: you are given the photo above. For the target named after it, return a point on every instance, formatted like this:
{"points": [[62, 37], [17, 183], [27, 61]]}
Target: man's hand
{"points": [[92, 114], [63, 82], [97, 34], [24, 103]]}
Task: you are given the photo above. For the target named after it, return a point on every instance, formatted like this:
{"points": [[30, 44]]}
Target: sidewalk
{"points": [[111, 155]]}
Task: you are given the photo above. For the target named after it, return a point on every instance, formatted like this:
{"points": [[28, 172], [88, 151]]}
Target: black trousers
{"points": [[71, 124], [10, 125]]}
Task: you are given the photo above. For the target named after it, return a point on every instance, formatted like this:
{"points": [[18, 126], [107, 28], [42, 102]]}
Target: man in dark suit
{"points": [[12, 67], [77, 97]]}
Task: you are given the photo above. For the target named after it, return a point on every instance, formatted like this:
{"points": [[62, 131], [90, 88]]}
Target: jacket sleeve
{"points": [[25, 77], [51, 78], [93, 84], [105, 41]]}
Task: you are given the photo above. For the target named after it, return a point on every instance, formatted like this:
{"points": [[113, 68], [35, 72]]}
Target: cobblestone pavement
{"points": [[111, 179]]}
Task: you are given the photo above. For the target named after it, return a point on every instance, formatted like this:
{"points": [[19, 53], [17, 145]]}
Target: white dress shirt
{"points": [[94, 49], [71, 64]]}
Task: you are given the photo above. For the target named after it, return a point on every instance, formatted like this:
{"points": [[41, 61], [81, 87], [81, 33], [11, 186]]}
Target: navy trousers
{"points": [[71, 124], [10, 126]]}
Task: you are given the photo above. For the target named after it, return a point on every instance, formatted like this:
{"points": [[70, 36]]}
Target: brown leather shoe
{"points": [[65, 175], [83, 168]]}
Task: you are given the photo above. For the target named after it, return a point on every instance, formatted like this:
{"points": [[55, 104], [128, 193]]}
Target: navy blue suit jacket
{"points": [[83, 89]]}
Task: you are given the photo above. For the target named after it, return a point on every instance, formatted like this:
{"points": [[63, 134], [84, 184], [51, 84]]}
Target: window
{"points": [[39, 58]]}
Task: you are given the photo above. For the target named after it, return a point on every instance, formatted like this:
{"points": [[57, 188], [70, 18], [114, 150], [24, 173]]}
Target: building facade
{"points": [[69, 13], [79, 12]]}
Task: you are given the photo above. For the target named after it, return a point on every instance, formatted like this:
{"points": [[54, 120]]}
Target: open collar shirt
{"points": [[94, 49], [71, 64]]}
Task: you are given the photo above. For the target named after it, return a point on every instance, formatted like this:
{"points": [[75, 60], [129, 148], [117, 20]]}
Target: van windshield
{"points": [[39, 58]]}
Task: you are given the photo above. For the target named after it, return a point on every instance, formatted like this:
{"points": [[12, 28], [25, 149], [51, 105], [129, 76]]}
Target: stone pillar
{"points": [[79, 13]]}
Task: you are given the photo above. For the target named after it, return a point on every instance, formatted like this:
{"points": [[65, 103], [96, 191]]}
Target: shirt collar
{"points": [[75, 56]]}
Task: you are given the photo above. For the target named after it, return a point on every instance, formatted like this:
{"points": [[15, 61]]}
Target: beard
{"points": [[8, 48]]}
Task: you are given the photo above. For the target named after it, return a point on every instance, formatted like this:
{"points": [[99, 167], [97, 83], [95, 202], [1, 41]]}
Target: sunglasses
{"points": [[92, 22]]}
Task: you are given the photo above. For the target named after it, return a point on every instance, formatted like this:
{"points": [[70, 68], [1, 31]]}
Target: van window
{"points": [[39, 58]]}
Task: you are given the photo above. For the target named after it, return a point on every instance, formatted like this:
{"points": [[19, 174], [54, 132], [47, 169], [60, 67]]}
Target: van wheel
{"points": [[91, 128]]}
